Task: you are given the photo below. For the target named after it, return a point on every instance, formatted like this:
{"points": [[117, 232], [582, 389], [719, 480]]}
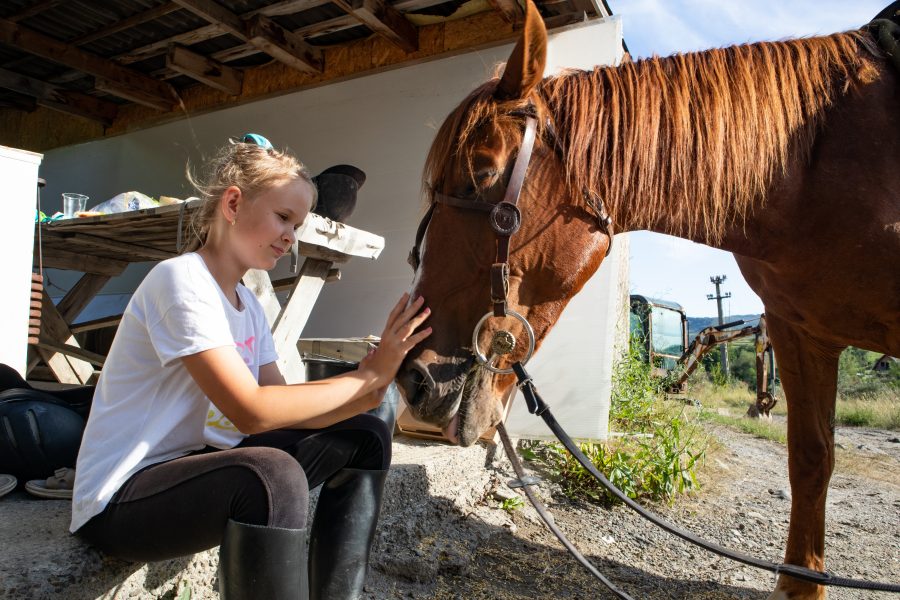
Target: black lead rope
{"points": [[537, 406], [548, 520]]}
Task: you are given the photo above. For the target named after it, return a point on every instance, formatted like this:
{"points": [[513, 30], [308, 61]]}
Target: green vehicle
{"points": [[660, 329]]}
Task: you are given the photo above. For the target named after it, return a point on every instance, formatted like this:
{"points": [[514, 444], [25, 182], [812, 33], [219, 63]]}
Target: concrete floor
{"points": [[430, 486]]}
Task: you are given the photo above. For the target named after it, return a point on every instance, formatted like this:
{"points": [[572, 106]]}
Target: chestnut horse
{"points": [[784, 153]]}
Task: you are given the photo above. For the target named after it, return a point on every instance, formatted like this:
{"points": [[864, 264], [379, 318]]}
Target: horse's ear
{"points": [[525, 67]]}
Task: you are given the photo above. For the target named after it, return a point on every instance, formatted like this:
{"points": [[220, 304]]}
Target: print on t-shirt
{"points": [[245, 349], [215, 419]]}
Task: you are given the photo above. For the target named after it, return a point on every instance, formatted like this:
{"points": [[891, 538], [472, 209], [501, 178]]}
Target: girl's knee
{"points": [[281, 489]]}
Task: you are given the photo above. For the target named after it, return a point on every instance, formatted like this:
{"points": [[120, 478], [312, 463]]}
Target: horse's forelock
{"points": [[455, 138]]}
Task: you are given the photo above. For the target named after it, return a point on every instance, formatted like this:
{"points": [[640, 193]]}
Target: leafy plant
{"points": [[655, 456], [511, 504]]}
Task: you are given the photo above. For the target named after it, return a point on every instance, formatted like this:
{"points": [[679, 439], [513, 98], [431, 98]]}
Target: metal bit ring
{"points": [[486, 361]]}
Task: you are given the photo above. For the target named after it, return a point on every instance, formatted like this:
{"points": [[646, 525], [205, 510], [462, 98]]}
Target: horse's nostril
{"points": [[417, 386]]}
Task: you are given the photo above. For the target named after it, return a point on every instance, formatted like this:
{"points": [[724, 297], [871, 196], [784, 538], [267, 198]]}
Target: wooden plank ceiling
{"points": [[121, 64]]}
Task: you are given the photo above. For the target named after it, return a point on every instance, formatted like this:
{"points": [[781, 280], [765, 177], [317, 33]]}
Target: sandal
{"points": [[58, 485], [7, 484]]}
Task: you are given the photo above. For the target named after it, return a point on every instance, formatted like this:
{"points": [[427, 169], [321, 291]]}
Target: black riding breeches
{"points": [[181, 506]]}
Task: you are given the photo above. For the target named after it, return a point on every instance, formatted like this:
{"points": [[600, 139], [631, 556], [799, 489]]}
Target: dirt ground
{"points": [[744, 505]]}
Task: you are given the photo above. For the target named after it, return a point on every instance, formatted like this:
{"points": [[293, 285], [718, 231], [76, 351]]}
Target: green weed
{"points": [[511, 504], [655, 456]]}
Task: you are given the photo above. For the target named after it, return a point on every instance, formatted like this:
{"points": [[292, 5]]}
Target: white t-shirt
{"points": [[147, 408]]}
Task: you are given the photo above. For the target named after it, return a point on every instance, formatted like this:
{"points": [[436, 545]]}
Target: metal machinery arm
{"points": [[709, 338]]}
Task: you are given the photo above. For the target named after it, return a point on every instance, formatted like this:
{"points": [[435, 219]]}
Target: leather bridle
{"points": [[505, 219]]}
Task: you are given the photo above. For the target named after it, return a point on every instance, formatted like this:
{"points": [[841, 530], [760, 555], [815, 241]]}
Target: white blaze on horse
{"points": [[784, 153]]}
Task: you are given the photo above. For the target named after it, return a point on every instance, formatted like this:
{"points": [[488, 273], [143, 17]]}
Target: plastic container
{"points": [[73, 203]]}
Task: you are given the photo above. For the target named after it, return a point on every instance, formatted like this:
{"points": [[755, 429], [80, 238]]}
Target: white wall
{"points": [[382, 123], [18, 172]]}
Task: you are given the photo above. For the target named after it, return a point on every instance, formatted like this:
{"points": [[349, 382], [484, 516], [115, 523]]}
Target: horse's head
{"points": [[551, 256]]}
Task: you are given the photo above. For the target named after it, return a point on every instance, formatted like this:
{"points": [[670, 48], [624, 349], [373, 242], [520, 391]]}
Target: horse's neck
{"points": [[746, 238]]}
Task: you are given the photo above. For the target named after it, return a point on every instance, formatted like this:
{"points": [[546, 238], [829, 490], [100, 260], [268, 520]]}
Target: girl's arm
{"points": [[253, 408], [270, 374]]}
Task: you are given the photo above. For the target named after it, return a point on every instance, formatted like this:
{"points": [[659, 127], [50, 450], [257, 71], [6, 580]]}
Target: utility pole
{"points": [[723, 350]]}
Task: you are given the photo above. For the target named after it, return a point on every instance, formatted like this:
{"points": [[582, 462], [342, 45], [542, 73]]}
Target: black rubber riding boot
{"points": [[262, 562], [342, 533]]}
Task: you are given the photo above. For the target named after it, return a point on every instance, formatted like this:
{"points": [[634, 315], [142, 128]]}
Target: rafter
{"points": [[308, 32], [205, 70], [510, 10], [384, 20], [283, 45], [216, 14], [133, 85], [243, 50], [33, 10], [60, 99], [591, 8], [127, 23], [18, 101], [260, 32]]}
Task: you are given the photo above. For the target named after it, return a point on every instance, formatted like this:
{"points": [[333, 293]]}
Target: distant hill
{"points": [[695, 324]]}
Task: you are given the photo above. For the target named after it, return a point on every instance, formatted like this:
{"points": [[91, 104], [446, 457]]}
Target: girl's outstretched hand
{"points": [[398, 338]]}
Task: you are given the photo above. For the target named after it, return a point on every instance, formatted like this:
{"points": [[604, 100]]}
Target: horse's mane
{"points": [[693, 139]]}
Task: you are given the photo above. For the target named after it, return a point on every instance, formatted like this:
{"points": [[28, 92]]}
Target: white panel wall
{"points": [[18, 172], [382, 123]]}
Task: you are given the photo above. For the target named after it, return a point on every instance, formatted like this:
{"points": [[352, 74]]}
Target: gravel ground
{"points": [[744, 505]]}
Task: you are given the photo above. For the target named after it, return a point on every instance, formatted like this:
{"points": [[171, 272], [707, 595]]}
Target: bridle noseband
{"points": [[505, 219]]}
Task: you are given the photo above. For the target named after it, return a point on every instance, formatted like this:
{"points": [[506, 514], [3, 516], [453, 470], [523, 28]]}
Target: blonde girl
{"points": [[194, 439]]}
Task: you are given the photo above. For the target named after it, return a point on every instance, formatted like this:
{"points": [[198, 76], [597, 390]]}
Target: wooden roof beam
{"points": [[208, 32], [307, 32], [130, 84], [385, 20], [261, 32], [60, 99], [17, 101], [283, 45], [33, 10], [216, 14], [129, 22], [591, 8], [205, 70], [510, 10]]}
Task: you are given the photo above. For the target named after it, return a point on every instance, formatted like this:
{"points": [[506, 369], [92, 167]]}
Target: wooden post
{"points": [[67, 369], [293, 317], [258, 282]]}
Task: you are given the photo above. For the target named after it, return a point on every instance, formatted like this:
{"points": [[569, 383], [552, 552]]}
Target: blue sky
{"points": [[667, 267]]}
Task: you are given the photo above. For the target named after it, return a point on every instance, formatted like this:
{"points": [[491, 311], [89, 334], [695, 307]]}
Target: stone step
{"points": [[424, 530]]}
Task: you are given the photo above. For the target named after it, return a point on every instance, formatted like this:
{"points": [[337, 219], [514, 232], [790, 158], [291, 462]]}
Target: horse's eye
{"points": [[485, 178]]}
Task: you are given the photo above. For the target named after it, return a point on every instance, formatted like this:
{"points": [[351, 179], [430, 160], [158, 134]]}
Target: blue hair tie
{"points": [[255, 138]]}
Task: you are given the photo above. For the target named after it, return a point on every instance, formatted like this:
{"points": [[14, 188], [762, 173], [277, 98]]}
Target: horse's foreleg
{"points": [[808, 370]]}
